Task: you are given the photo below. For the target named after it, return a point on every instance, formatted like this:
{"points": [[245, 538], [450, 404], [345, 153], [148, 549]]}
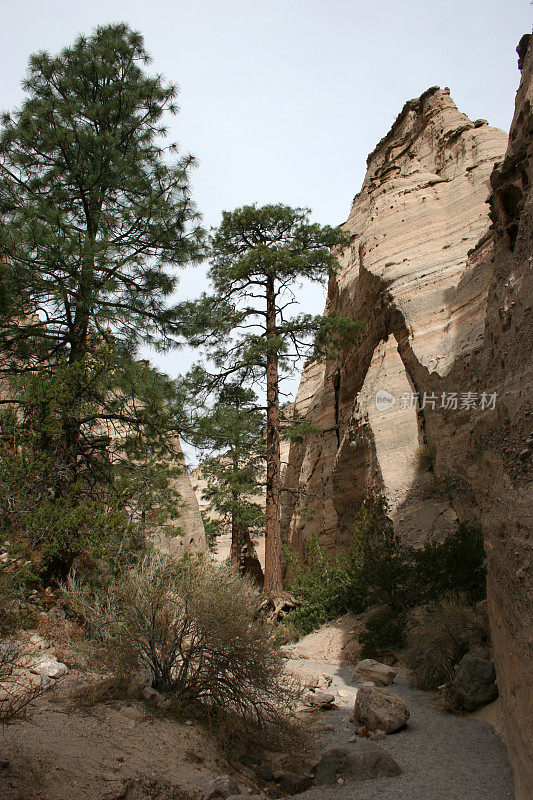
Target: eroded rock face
{"points": [[409, 277], [190, 536], [497, 445], [446, 295]]}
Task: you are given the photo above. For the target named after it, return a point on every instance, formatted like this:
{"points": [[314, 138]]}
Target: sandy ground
{"points": [[79, 755], [66, 753]]}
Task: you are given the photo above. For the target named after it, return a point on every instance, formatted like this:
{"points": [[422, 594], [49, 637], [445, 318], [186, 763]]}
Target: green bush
{"points": [[379, 570], [458, 564], [327, 585], [445, 630], [383, 632]]}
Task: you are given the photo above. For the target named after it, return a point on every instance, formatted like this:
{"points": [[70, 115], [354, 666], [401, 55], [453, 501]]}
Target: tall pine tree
{"points": [[96, 217], [259, 257], [231, 434]]}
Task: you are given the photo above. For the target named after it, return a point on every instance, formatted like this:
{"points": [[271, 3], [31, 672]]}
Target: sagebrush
{"points": [[196, 628]]}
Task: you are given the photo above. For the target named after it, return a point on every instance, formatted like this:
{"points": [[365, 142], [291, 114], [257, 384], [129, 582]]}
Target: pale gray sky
{"points": [[282, 100]]}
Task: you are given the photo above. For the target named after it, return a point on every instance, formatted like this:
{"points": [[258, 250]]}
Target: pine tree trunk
{"points": [[243, 556], [273, 585]]}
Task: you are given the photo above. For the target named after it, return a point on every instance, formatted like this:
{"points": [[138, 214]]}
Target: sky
{"points": [[282, 100]]}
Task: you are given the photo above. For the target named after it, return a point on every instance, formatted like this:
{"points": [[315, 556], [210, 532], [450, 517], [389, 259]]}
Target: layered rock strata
{"points": [[411, 277]]}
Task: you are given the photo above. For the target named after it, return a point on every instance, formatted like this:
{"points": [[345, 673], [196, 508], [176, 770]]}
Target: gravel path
{"points": [[443, 757]]}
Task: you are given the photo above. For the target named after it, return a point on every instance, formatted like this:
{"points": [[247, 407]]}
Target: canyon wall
{"points": [[410, 277], [431, 404]]}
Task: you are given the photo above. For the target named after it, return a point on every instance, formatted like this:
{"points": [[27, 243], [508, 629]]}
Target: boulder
{"points": [[47, 667], [319, 699], [292, 782], [371, 670], [379, 709], [221, 788], [363, 761], [474, 683]]}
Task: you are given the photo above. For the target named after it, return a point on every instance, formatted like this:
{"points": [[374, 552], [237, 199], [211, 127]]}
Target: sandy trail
{"points": [[443, 757]]}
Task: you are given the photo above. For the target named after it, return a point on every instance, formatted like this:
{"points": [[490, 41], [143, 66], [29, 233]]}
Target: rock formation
{"points": [[191, 538], [431, 405], [408, 276]]}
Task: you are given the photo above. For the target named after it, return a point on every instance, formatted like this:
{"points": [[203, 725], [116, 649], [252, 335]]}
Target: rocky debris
{"points": [[245, 797], [306, 678], [221, 788], [142, 789], [37, 642], [474, 683], [319, 700], [292, 782], [372, 671], [264, 772], [379, 709], [364, 761]]}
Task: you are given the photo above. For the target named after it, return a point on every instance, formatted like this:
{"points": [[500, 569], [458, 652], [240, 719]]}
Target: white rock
{"points": [[48, 667]]}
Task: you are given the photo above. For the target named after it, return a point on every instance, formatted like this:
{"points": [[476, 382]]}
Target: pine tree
{"points": [[96, 217], [259, 256], [231, 432]]}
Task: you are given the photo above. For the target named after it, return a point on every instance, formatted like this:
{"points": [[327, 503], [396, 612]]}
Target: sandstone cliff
{"points": [[446, 300], [409, 277]]}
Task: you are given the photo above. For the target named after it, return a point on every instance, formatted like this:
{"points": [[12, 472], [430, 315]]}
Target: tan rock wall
{"points": [[408, 275]]}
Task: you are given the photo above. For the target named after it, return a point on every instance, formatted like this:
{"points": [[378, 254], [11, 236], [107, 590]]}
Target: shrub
{"points": [[444, 632], [197, 629], [379, 570], [383, 632], [458, 564], [327, 585]]}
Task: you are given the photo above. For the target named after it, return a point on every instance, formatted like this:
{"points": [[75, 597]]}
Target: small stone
{"points": [[362, 731], [245, 797], [4, 763], [319, 699], [274, 792], [49, 668], [221, 788], [292, 783], [132, 712], [264, 772]]}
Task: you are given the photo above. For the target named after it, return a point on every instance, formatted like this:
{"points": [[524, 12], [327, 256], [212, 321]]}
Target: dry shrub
{"points": [[196, 628], [17, 688], [443, 633]]}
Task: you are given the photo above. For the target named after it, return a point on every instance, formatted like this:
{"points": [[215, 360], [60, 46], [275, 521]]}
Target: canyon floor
{"points": [[125, 752]]}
